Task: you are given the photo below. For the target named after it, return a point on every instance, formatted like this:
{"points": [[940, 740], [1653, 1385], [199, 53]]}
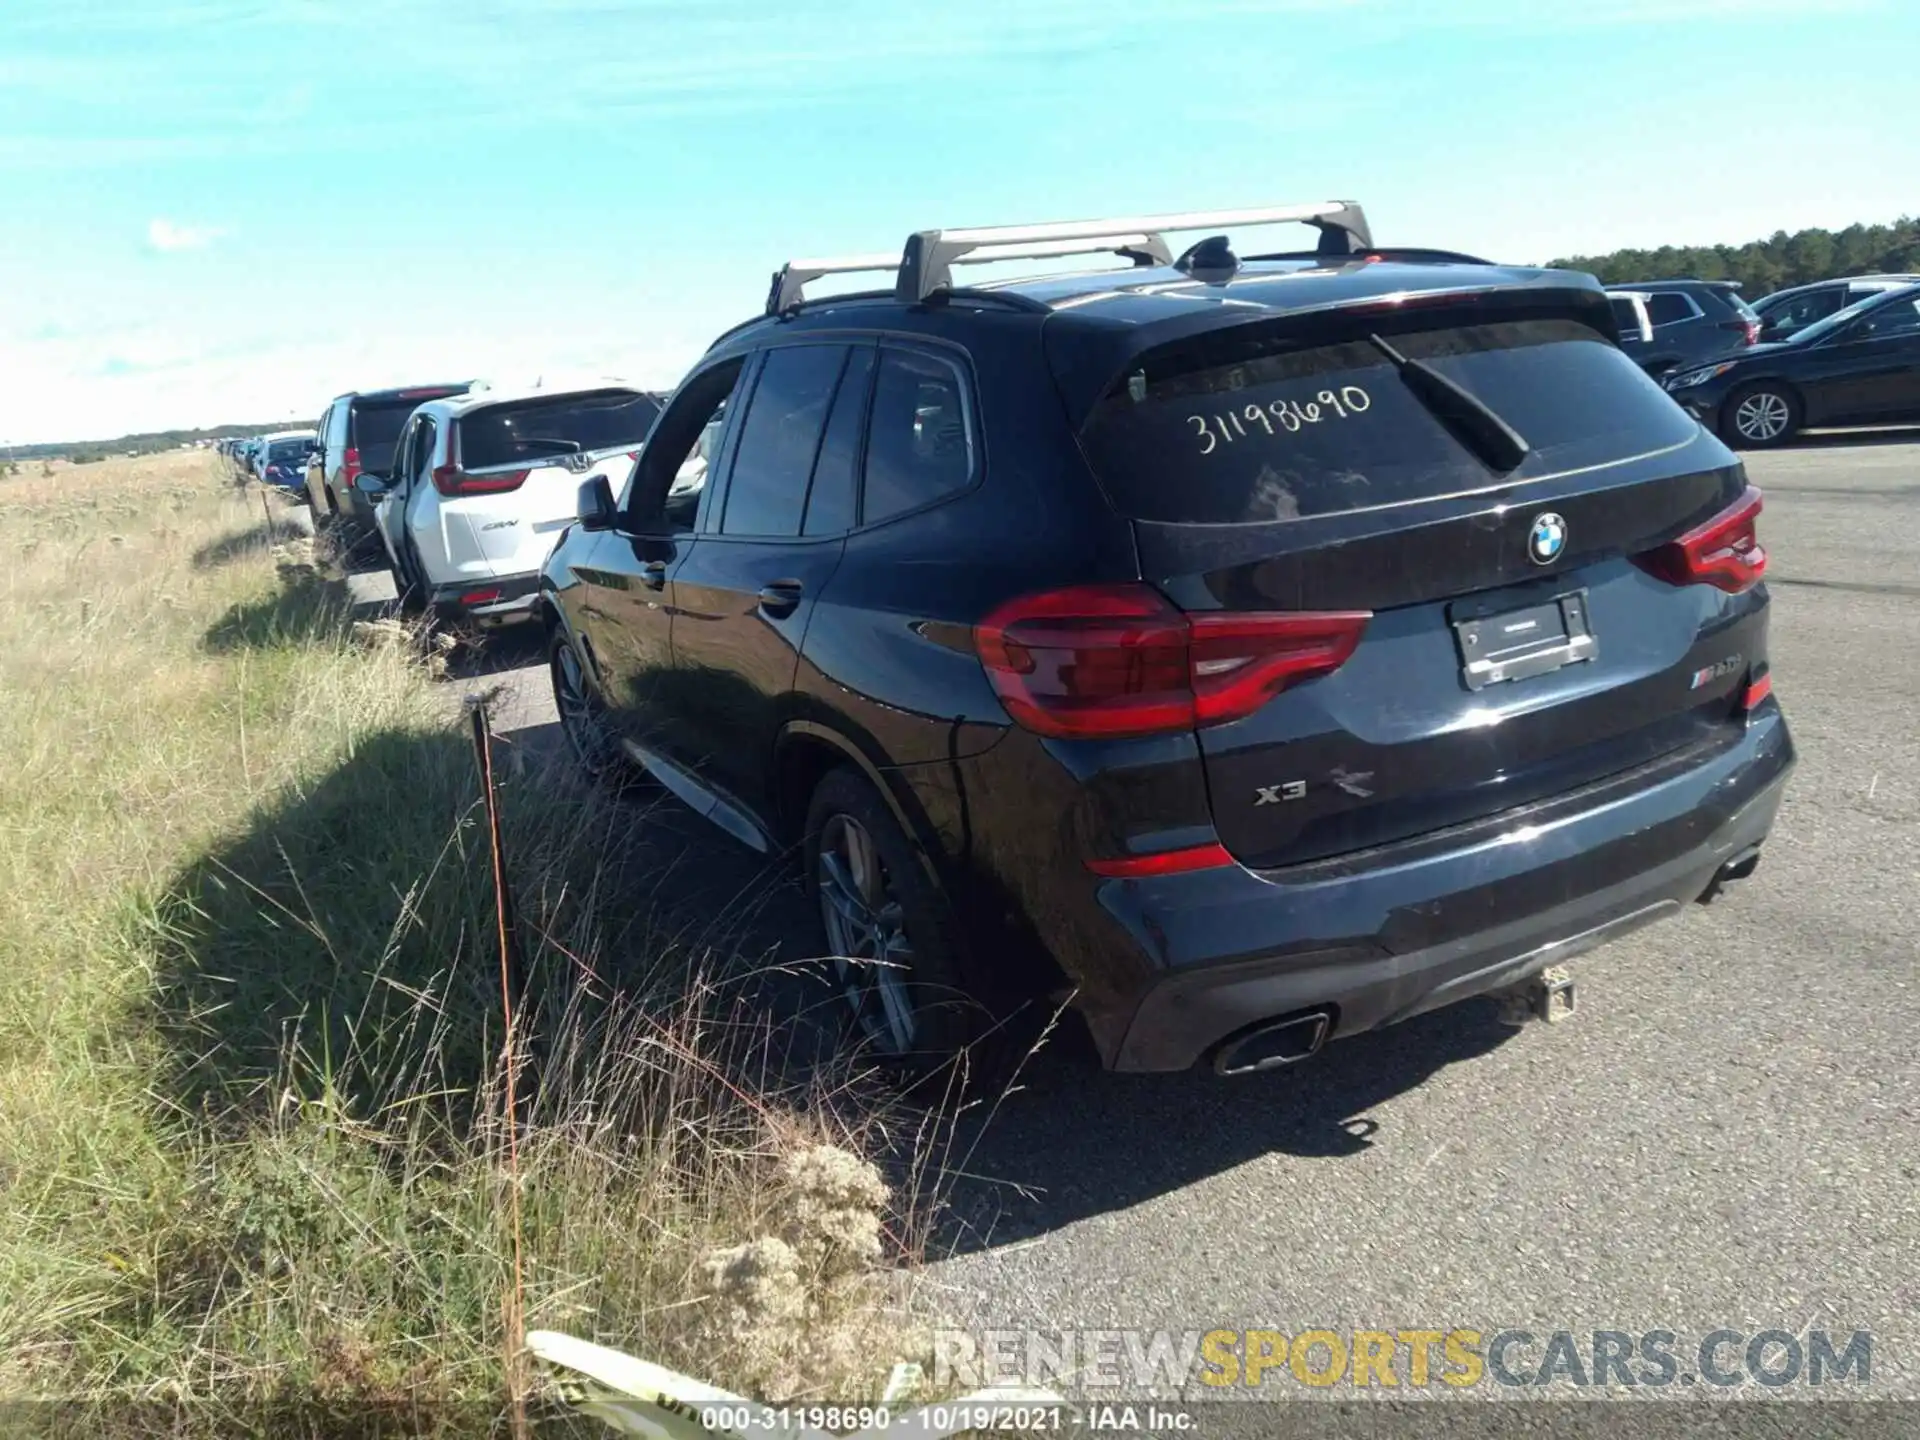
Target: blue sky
{"points": [[216, 210]]}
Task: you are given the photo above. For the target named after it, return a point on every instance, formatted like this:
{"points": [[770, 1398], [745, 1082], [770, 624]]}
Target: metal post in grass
{"points": [[512, 989]]}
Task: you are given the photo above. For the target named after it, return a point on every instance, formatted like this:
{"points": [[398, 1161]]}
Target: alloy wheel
{"points": [[1762, 416], [581, 717], [866, 929]]}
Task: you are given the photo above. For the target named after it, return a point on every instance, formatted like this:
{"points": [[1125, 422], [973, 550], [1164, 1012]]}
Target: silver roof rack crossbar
{"points": [[792, 278], [931, 254]]}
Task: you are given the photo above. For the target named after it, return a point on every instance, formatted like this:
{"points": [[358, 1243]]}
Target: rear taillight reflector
{"points": [[1109, 661], [452, 480], [1163, 862], [1757, 690], [1725, 552], [480, 597]]}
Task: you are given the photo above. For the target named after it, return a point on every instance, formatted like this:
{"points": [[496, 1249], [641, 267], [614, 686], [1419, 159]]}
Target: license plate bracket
{"points": [[1520, 643]]}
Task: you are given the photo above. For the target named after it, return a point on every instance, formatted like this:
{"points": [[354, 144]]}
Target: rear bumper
{"points": [[510, 599], [1426, 924]]}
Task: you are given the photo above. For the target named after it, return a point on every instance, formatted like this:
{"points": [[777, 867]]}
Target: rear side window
{"points": [[1664, 307], [780, 439], [1901, 317], [1274, 429], [833, 498], [531, 431], [919, 441]]}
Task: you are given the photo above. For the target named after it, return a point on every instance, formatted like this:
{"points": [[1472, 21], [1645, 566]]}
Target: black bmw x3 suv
{"points": [[1259, 651]]}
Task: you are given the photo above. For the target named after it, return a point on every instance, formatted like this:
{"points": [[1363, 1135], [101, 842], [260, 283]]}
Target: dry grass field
{"points": [[251, 1146]]}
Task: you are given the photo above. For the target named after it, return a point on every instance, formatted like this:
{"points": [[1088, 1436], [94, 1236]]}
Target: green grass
{"points": [[251, 1135]]}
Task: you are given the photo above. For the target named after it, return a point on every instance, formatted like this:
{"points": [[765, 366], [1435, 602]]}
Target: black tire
{"points": [[909, 920], [408, 588], [1759, 416], [583, 717]]}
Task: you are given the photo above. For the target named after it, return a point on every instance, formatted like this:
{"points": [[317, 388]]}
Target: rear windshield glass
{"points": [[531, 430], [1278, 429], [376, 426], [1741, 307], [290, 449]]}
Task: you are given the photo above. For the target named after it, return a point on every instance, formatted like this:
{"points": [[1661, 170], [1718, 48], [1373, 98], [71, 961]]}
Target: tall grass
{"points": [[252, 1145]]}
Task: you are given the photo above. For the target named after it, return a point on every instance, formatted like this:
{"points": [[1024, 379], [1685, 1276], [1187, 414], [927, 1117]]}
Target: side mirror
{"points": [[593, 504]]}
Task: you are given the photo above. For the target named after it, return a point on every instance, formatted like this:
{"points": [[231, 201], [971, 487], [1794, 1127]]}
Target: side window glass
{"points": [[403, 455], [833, 498], [423, 436], [686, 438], [919, 443], [1665, 307], [780, 439], [1900, 318]]}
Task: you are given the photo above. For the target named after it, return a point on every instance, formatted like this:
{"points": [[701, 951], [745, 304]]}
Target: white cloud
{"points": [[167, 237]]}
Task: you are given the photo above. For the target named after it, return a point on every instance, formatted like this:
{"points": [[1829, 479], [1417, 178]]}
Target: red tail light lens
{"points": [[452, 480], [480, 597], [1164, 862], [1108, 661], [350, 467], [1725, 552], [1758, 689]]}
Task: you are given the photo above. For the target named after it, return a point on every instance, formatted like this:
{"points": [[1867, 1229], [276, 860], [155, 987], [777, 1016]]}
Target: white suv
{"points": [[482, 485]]}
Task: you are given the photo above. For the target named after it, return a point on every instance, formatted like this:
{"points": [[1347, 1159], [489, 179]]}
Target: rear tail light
{"points": [[350, 467], [1758, 689], [1107, 661], [1725, 552], [1749, 330], [452, 480]]}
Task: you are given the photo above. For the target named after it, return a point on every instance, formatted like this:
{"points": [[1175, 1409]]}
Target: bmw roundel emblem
{"points": [[1547, 538]]}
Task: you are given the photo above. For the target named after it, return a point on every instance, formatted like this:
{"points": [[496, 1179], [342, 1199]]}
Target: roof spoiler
{"points": [[926, 266]]}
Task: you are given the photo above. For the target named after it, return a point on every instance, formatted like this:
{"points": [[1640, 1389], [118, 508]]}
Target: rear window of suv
{"points": [[533, 430], [375, 428], [1252, 424]]}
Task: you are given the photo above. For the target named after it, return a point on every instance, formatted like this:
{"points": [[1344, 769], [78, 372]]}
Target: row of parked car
{"points": [[1837, 353], [1248, 650]]}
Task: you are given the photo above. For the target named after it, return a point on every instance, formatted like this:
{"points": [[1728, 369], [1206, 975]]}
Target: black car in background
{"points": [[1858, 367], [356, 437], [1785, 313], [1256, 651], [1692, 320]]}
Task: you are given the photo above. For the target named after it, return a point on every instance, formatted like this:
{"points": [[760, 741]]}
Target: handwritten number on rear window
{"points": [[1226, 427]]}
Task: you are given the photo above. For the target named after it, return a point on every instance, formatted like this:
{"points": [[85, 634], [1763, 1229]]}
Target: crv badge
{"points": [[1547, 538]]}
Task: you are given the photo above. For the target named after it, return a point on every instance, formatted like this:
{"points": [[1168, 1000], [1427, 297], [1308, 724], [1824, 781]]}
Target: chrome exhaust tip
{"points": [[1276, 1043]]}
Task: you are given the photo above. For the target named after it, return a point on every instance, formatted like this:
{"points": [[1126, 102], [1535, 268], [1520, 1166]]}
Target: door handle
{"points": [[653, 575], [780, 598]]}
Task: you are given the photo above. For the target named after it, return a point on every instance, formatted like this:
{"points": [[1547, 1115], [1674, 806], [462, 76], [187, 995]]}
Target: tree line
{"points": [[83, 452], [1763, 266]]}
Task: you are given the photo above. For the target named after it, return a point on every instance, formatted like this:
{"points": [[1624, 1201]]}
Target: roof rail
{"points": [[930, 255]]}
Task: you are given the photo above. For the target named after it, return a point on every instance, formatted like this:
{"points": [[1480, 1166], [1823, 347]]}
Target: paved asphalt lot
{"points": [[1727, 1134]]}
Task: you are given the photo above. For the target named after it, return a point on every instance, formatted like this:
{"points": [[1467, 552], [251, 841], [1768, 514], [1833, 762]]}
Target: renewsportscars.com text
{"points": [[1456, 1358]]}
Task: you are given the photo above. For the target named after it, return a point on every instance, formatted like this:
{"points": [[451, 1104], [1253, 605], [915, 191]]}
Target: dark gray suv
{"points": [[1693, 321]]}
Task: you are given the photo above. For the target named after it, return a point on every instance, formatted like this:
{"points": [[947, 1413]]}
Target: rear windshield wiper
{"points": [[1465, 414]]}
